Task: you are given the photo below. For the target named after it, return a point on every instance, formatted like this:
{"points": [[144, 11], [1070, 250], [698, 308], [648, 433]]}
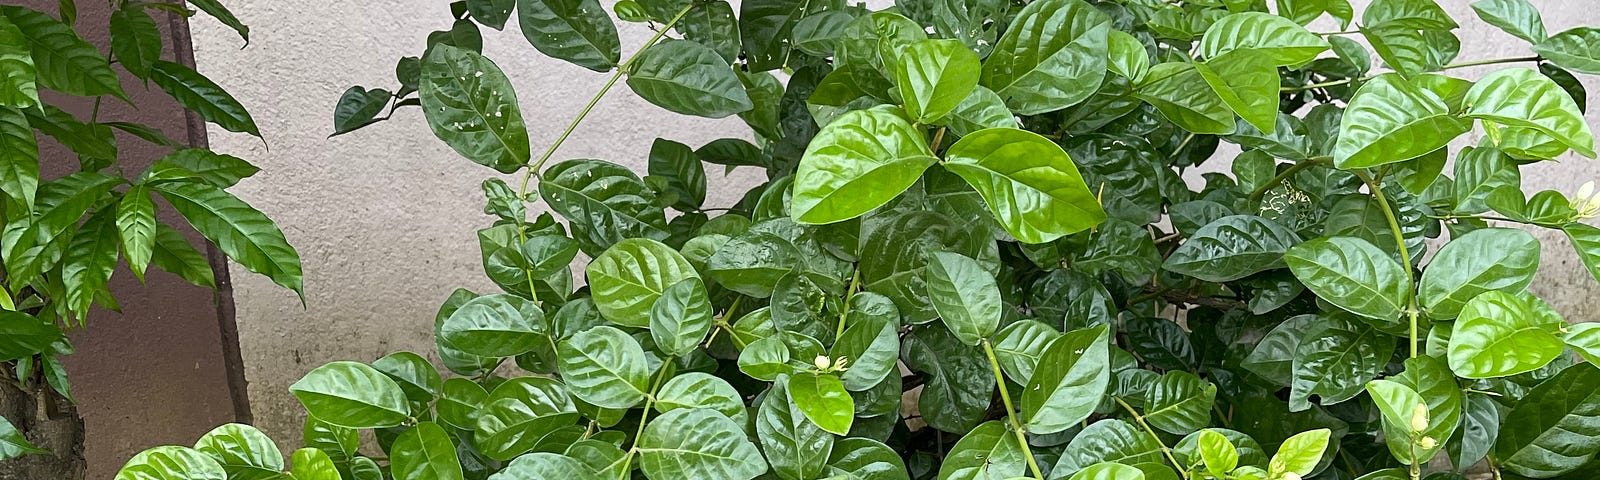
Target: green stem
{"points": [[1405, 256], [649, 402], [1474, 63], [855, 283], [1140, 420], [1284, 177], [1011, 412]]}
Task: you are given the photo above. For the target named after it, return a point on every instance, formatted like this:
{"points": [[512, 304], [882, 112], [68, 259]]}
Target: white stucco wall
{"points": [[385, 218]]}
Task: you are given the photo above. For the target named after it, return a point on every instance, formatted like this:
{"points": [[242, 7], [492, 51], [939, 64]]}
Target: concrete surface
{"points": [[385, 217]]}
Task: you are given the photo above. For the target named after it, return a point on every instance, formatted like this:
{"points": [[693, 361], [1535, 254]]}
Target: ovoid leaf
{"points": [[578, 31], [424, 452], [697, 443], [823, 400], [1052, 56], [1516, 17], [688, 78], [862, 160], [1231, 248], [604, 203], [352, 395], [519, 413], [631, 275], [1500, 334], [605, 367], [1391, 120], [172, 463], [1181, 94], [795, 446], [242, 451], [1029, 182], [1490, 259], [1068, 382], [1352, 274], [1555, 428], [1281, 40], [935, 76], [965, 295], [470, 105], [1573, 49], [1523, 97], [1335, 361]]}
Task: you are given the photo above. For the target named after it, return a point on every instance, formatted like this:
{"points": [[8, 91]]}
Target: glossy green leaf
{"points": [[1573, 49], [1052, 56], [871, 341], [605, 367], [359, 107], [1480, 426], [89, 261], [19, 157], [1516, 17], [1300, 454], [631, 275], [1335, 360], [1431, 380], [414, 374], [935, 76], [697, 443], [765, 30], [1491, 259], [135, 41], [1247, 81], [1525, 98], [496, 326], [1029, 183], [245, 234], [982, 109], [989, 451], [1352, 274], [352, 395], [546, 465], [242, 451], [1282, 41], [1219, 454], [960, 383], [823, 400], [13, 444], [685, 177], [312, 464], [1179, 403], [1020, 346], [1181, 94], [862, 160], [1068, 381], [1500, 334], [63, 61], [700, 390], [604, 204], [171, 463], [215, 168], [866, 459], [1231, 248], [335, 441], [18, 76], [424, 452], [173, 253], [518, 414], [29, 248], [1127, 56], [198, 93], [688, 78], [1108, 471], [681, 317], [1391, 120], [965, 295], [491, 13], [1109, 440], [796, 447], [1555, 428], [459, 402], [470, 105], [578, 31]]}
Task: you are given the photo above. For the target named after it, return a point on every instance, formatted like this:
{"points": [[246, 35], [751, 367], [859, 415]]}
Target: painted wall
{"points": [[385, 217]]}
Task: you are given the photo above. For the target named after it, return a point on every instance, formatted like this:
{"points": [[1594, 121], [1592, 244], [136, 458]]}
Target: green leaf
{"points": [[1391, 120], [216, 10], [13, 444], [684, 175], [1437, 388], [1300, 454], [605, 367], [1480, 426], [173, 253], [681, 317], [34, 246], [1413, 14], [871, 341], [1020, 346], [215, 168], [1523, 97], [459, 402], [1490, 259], [765, 27], [1231, 248], [988, 451], [1401, 407], [1555, 428], [19, 157], [242, 451], [1516, 17], [1051, 57], [135, 40], [1127, 56], [547, 465], [243, 233], [1248, 83], [414, 374], [631, 275], [1181, 94], [796, 447], [64, 62], [935, 76], [18, 77], [1109, 440], [519, 414], [1108, 471], [1585, 240], [491, 13], [496, 326], [862, 160], [982, 109], [352, 395], [198, 93], [1219, 454], [866, 459], [697, 443], [1500, 334], [312, 464], [823, 400], [1068, 382], [359, 107], [1353, 275], [713, 25], [701, 390], [604, 204], [1179, 403], [1282, 41], [965, 295], [1029, 182], [578, 31], [1572, 49], [337, 442], [171, 463], [470, 105], [688, 78], [959, 383], [1335, 360]]}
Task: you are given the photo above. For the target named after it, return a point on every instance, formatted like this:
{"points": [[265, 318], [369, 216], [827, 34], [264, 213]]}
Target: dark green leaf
{"points": [[681, 317], [1051, 57], [688, 78], [198, 93], [578, 31], [65, 63], [518, 414], [1555, 428], [470, 105], [1068, 382], [604, 203], [1231, 248], [796, 447], [1352, 274], [239, 230], [1335, 361], [358, 107], [135, 41]]}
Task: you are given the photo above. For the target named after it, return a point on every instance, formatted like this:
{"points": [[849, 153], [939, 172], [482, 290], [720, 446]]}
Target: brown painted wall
{"points": [[166, 370]]}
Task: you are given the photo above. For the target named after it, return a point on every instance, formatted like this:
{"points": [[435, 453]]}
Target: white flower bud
{"points": [[822, 362], [1427, 443], [1419, 417]]}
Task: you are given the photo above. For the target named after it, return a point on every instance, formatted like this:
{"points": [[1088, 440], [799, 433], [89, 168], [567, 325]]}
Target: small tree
{"points": [[64, 237], [976, 256]]}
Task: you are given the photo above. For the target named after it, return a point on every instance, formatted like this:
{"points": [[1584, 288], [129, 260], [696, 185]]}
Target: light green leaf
{"points": [[414, 374], [198, 93], [19, 157], [1573, 49], [681, 317], [982, 109], [862, 160], [631, 275], [1585, 240], [965, 295], [242, 451], [1180, 93], [1300, 454], [1282, 41], [1516, 17], [13, 444], [605, 367], [988, 451], [545, 465], [1500, 334], [697, 443], [496, 326], [1020, 346], [1490, 259], [1219, 454], [90, 259], [1029, 183], [1179, 403], [1412, 14], [470, 105], [1068, 382], [18, 77], [1525, 98], [578, 31], [1051, 57], [352, 395], [1431, 379], [1231, 248], [63, 61], [823, 400], [1390, 120], [700, 390], [1352, 274], [1127, 56], [520, 413], [796, 447], [1248, 83], [688, 78], [1108, 471], [312, 464], [935, 76], [245, 234], [171, 463]]}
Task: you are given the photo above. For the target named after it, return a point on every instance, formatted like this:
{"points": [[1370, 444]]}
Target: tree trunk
{"points": [[50, 422]]}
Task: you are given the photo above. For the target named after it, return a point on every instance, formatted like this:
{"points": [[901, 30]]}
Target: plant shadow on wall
{"points": [[64, 237], [975, 249]]}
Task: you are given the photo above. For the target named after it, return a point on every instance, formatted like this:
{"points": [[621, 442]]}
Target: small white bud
{"points": [[1419, 417], [1427, 443], [821, 362]]}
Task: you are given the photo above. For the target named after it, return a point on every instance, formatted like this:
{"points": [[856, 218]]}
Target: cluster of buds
{"points": [[1586, 203], [826, 365], [1419, 424]]}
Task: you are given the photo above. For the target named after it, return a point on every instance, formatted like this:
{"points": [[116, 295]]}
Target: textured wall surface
{"points": [[385, 217]]}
